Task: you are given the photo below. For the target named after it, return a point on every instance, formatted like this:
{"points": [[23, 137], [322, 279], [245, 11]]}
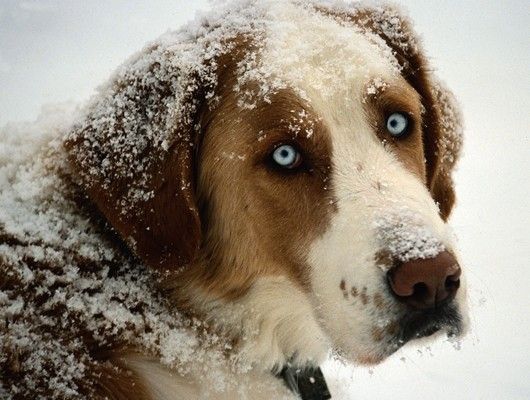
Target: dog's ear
{"points": [[442, 141], [134, 152], [442, 127]]}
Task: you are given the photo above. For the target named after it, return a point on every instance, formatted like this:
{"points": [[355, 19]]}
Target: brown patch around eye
{"points": [[399, 98], [284, 127], [242, 246], [354, 292]]}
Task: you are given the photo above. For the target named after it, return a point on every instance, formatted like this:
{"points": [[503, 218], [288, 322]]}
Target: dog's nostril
{"points": [[425, 283], [420, 290], [452, 282]]}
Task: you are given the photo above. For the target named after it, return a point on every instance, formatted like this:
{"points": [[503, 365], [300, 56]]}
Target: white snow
{"points": [[405, 236]]}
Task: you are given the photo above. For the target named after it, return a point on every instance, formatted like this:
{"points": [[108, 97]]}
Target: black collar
{"points": [[308, 383]]}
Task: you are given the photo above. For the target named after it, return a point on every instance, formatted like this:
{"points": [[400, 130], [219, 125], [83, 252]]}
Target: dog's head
{"points": [[288, 167]]}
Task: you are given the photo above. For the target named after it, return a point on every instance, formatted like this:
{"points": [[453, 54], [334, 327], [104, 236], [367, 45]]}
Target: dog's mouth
{"points": [[416, 325], [420, 324]]}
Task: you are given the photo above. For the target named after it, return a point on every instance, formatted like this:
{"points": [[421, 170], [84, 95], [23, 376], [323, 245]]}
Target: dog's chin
{"points": [[423, 327], [417, 328]]}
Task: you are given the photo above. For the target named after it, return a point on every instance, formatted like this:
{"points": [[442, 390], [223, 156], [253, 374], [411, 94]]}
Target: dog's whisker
{"points": [[347, 196]]}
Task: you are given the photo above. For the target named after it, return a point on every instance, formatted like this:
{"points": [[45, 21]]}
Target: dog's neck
{"points": [[268, 331]]}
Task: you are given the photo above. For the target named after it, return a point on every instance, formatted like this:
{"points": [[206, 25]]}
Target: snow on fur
{"points": [[62, 272], [155, 93], [405, 236]]}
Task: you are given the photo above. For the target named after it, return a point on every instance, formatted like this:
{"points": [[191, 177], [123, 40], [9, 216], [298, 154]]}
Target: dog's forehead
{"points": [[322, 57], [313, 74], [328, 67]]}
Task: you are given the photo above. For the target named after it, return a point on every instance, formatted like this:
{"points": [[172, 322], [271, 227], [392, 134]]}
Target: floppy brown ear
{"points": [[442, 128], [134, 152], [443, 142]]}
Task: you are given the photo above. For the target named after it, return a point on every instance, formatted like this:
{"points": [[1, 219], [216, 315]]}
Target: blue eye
{"points": [[397, 124], [287, 156]]}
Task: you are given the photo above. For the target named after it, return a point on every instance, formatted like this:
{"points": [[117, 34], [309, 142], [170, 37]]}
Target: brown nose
{"points": [[425, 283]]}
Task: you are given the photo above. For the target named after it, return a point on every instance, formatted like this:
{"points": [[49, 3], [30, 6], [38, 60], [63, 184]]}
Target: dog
{"points": [[245, 196]]}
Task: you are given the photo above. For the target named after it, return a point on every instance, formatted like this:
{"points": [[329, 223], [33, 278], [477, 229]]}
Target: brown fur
{"points": [[260, 232], [408, 149], [416, 72], [115, 381], [231, 256], [147, 228]]}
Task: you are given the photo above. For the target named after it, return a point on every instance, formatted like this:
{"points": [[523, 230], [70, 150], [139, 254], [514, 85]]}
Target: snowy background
{"points": [[55, 51]]}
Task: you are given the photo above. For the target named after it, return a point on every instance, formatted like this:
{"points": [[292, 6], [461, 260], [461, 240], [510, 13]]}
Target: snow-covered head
{"points": [[286, 166]]}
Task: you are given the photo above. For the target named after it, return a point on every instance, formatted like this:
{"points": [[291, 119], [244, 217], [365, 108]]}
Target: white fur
{"points": [[276, 322], [165, 384]]}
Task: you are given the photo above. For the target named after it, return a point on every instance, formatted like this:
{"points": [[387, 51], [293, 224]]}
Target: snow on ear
{"points": [[134, 149]]}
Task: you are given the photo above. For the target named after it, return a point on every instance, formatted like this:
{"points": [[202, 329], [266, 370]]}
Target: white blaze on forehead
{"points": [[313, 53]]}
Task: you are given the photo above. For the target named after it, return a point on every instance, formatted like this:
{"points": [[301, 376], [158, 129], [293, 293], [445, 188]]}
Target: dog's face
{"points": [[320, 196], [324, 190]]}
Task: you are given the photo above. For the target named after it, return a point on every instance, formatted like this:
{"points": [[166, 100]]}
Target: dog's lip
{"points": [[420, 324]]}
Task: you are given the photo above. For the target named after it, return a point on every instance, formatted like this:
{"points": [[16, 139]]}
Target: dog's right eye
{"points": [[286, 156]]}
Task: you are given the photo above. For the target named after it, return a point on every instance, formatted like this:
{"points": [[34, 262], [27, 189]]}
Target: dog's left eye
{"points": [[286, 156], [397, 124]]}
